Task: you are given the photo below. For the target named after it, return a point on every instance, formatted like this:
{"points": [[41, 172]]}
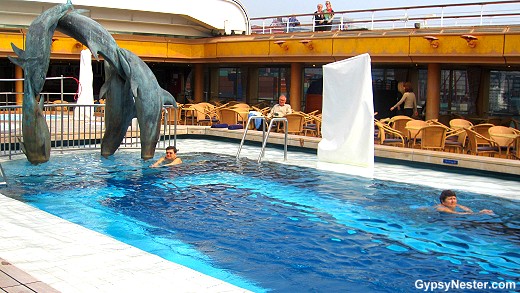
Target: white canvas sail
{"points": [[348, 114], [86, 92]]}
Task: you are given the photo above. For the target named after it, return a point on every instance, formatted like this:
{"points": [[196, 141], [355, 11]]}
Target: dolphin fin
{"points": [[133, 87], [81, 11], [168, 99], [103, 90], [22, 146], [17, 50], [41, 103], [20, 53], [16, 61], [124, 63]]}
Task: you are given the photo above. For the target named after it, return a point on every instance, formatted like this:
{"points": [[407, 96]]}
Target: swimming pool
{"points": [[13, 117], [277, 227]]}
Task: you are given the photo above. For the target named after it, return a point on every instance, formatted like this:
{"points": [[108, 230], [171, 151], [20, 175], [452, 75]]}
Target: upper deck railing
{"points": [[423, 16]]}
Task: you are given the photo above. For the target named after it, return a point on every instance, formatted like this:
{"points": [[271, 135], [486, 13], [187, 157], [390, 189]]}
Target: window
{"points": [[272, 82], [230, 84], [504, 92], [454, 94]]}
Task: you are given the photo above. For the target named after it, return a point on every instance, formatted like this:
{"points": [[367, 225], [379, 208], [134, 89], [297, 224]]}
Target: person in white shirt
{"points": [[281, 109]]}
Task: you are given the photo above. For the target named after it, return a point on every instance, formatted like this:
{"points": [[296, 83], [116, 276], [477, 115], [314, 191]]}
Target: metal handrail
{"points": [[265, 136], [70, 131]]}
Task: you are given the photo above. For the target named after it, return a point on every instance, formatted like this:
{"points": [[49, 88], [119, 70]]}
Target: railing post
{"points": [[62, 88], [442, 17]]}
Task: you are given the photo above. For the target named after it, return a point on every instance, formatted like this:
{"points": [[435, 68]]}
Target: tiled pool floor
{"points": [[70, 258]]}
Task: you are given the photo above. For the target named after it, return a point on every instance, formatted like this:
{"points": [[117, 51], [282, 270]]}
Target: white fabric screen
{"points": [[86, 92], [348, 113]]}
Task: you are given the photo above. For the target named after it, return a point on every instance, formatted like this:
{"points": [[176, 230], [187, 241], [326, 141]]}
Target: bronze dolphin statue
{"points": [[130, 89], [119, 110], [35, 63], [149, 98], [119, 106], [91, 34]]}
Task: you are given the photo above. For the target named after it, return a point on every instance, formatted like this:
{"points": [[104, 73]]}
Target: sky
{"points": [[260, 8]]}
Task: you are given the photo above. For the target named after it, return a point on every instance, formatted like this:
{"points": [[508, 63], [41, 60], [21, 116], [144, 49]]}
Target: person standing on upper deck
{"points": [[293, 23], [318, 19], [281, 109], [328, 15], [409, 100]]}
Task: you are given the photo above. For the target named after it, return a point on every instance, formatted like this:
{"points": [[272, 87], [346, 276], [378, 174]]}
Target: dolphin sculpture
{"points": [[35, 63], [149, 98], [91, 34], [120, 105], [119, 110]]}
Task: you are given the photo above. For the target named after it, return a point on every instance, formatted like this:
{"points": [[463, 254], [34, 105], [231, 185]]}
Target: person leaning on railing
{"points": [[328, 15], [293, 23], [318, 19]]}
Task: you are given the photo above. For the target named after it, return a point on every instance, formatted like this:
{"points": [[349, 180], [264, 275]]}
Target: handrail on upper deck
{"points": [[422, 16]]}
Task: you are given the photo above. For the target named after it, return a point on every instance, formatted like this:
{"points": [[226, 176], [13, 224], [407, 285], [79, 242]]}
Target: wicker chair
{"points": [[414, 134], [388, 136], [482, 129], [295, 123], [506, 138], [229, 116], [399, 123], [433, 137], [479, 144]]}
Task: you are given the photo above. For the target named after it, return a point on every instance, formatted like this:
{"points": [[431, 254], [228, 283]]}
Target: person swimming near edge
{"points": [[169, 160], [449, 204]]}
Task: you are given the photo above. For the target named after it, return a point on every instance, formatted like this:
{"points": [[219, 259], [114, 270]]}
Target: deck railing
{"points": [[73, 126], [422, 16]]}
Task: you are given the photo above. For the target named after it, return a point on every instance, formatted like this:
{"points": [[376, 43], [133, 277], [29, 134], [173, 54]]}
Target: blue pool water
{"points": [[273, 227], [13, 117]]}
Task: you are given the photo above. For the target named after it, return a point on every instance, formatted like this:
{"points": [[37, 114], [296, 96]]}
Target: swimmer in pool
{"points": [[449, 204], [169, 160]]}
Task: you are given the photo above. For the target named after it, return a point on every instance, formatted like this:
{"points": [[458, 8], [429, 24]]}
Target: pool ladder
{"points": [[264, 136]]}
